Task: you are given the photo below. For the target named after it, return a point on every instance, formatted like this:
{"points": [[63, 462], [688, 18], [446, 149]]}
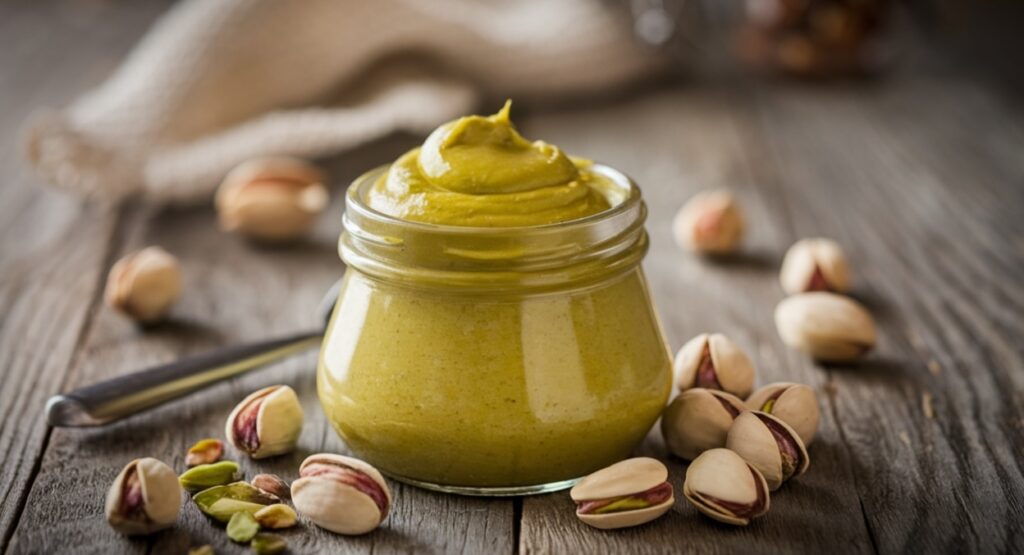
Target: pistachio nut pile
{"points": [[340, 494]]}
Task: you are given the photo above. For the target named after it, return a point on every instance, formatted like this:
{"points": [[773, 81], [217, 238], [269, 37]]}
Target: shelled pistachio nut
{"points": [[271, 199], [793, 403], [220, 502], [144, 285], [205, 476], [205, 451], [720, 484], [272, 484], [770, 445], [276, 516], [814, 265], [713, 361], [697, 420], [266, 423], [710, 222], [341, 494], [627, 493], [242, 527], [145, 497], [826, 326], [268, 544]]}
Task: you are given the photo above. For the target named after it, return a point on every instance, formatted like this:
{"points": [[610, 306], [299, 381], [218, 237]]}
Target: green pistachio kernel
{"points": [[624, 504], [220, 502], [242, 527], [268, 544], [209, 475]]}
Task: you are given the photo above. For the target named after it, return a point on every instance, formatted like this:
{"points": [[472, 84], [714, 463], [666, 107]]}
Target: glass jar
{"points": [[494, 361]]}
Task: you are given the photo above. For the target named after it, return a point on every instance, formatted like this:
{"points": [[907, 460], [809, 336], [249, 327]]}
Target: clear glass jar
{"points": [[493, 361]]}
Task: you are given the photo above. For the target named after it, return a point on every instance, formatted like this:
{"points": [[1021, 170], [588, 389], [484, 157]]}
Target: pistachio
{"points": [[341, 494], [712, 361], [814, 265], [202, 550], [770, 445], [271, 199], [144, 285], [268, 544], [827, 326], [266, 423], [220, 502], [272, 484], [710, 222], [697, 420], [276, 516], [720, 484], [627, 493], [793, 403], [208, 475], [144, 498], [205, 451], [242, 527]]}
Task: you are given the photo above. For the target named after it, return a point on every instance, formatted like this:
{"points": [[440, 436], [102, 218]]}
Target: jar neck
{"points": [[488, 259]]}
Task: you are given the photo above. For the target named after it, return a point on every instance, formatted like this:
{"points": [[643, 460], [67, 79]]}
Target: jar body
{"points": [[503, 394]]}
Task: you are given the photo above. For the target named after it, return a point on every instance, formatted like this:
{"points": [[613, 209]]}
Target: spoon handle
{"points": [[116, 398]]}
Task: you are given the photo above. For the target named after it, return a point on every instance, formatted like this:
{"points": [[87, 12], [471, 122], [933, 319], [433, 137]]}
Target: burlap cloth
{"points": [[215, 82]]}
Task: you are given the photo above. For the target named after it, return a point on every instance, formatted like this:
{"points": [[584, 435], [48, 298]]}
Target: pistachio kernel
{"points": [[208, 475], [242, 527], [276, 516], [205, 451], [220, 502], [268, 544]]}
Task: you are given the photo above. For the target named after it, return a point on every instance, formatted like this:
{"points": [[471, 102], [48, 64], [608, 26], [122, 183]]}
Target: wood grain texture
{"points": [[919, 176]]}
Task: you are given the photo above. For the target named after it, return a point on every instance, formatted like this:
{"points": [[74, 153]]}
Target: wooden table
{"points": [[920, 176]]}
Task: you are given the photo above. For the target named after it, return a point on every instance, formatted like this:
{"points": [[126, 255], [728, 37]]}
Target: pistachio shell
{"points": [[720, 484], [697, 420], [278, 422], [732, 370], [751, 437], [144, 285], [622, 478], [160, 498], [271, 199], [336, 505], [826, 326], [710, 222], [793, 403], [814, 265]]}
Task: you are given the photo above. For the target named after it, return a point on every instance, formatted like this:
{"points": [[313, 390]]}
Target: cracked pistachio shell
{"points": [[793, 403], [713, 361], [710, 222], [266, 423], [147, 484], [697, 420], [826, 326], [622, 479], [220, 502], [720, 484], [205, 476], [814, 265], [770, 446], [271, 199], [335, 504], [144, 285]]}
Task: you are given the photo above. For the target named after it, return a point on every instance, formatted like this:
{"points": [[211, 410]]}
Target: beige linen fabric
{"points": [[215, 82]]}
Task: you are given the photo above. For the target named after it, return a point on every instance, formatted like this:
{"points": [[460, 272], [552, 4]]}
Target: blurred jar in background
{"points": [[814, 38]]}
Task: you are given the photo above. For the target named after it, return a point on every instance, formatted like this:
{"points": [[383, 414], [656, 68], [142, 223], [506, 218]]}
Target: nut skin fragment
{"points": [[341, 494], [266, 423], [627, 493], [713, 361], [769, 445], [205, 451], [697, 420], [721, 485], [711, 222], [816, 264], [272, 484], [144, 498], [271, 199], [144, 285], [793, 403], [826, 326]]}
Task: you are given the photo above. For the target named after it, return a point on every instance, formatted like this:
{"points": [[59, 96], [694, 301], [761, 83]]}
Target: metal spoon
{"points": [[116, 398]]}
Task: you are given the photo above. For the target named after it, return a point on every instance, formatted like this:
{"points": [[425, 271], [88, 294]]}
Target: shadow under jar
{"points": [[494, 361]]}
